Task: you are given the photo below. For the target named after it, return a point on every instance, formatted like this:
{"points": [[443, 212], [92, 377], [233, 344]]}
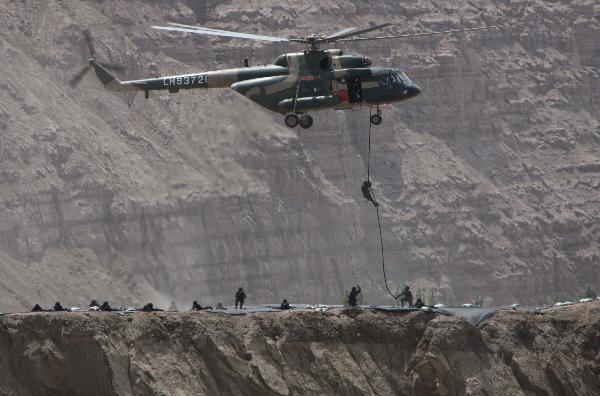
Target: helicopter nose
{"points": [[413, 90]]}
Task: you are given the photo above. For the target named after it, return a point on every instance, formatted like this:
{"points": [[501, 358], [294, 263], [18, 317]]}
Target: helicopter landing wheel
{"points": [[306, 121], [292, 120], [376, 119]]}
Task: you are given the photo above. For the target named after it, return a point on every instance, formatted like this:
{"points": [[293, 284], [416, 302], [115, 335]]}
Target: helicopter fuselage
{"points": [[326, 79], [295, 83]]}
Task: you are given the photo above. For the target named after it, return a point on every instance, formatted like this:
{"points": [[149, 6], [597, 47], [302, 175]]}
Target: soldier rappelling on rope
{"points": [[367, 192]]}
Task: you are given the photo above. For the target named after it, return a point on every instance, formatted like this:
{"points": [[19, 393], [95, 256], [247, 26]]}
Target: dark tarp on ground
{"points": [[250, 309], [478, 315], [395, 309], [474, 315], [292, 306], [274, 308]]}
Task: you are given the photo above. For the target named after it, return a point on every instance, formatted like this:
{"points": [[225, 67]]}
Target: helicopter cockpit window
{"points": [[391, 81], [384, 82], [404, 79]]}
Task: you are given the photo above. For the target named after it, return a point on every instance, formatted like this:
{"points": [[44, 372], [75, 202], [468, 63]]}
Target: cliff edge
{"points": [[301, 352]]}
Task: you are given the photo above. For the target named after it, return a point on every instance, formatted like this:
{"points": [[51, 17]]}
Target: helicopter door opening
{"points": [[354, 90]]}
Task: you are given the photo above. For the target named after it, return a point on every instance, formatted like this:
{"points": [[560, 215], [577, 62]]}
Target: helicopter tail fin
{"points": [[109, 80], [104, 75]]}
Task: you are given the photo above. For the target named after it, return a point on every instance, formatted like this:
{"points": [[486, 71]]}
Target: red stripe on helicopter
{"points": [[343, 95]]}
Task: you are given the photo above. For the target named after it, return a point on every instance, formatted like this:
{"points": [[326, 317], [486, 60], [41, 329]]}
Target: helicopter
{"points": [[295, 84]]}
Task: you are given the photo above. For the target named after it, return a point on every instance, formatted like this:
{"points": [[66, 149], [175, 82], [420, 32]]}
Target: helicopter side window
{"points": [[386, 82]]}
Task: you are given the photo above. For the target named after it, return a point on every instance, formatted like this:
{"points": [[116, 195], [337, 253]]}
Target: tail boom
{"points": [[212, 79]]}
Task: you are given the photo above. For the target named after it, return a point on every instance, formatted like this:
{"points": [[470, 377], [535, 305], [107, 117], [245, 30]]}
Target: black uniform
{"points": [[419, 303], [196, 306], [285, 304], [106, 307], [94, 303], [58, 307], [367, 193], [240, 297], [352, 297], [150, 308], [37, 308], [406, 297]]}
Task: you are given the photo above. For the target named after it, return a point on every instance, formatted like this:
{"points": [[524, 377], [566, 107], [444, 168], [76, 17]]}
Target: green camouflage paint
{"points": [[302, 81]]}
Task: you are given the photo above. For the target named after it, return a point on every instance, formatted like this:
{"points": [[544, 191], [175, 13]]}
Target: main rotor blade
{"points": [[420, 34], [354, 33], [208, 30], [342, 32], [75, 80], [198, 27], [224, 33]]}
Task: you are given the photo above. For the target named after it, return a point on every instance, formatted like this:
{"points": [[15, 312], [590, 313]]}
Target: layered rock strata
{"points": [[301, 352]]}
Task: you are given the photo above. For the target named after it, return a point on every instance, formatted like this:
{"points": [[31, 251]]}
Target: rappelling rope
{"points": [[353, 214], [377, 209], [369, 155], [296, 98]]}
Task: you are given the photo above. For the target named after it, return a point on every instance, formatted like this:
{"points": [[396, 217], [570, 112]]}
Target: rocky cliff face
{"points": [[366, 352], [488, 180]]}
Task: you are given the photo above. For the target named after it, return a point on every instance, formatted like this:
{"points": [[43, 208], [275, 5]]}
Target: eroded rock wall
{"points": [[488, 180], [301, 352]]}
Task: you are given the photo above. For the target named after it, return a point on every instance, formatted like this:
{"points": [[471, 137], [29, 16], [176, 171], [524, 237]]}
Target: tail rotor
{"points": [[74, 82]]}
